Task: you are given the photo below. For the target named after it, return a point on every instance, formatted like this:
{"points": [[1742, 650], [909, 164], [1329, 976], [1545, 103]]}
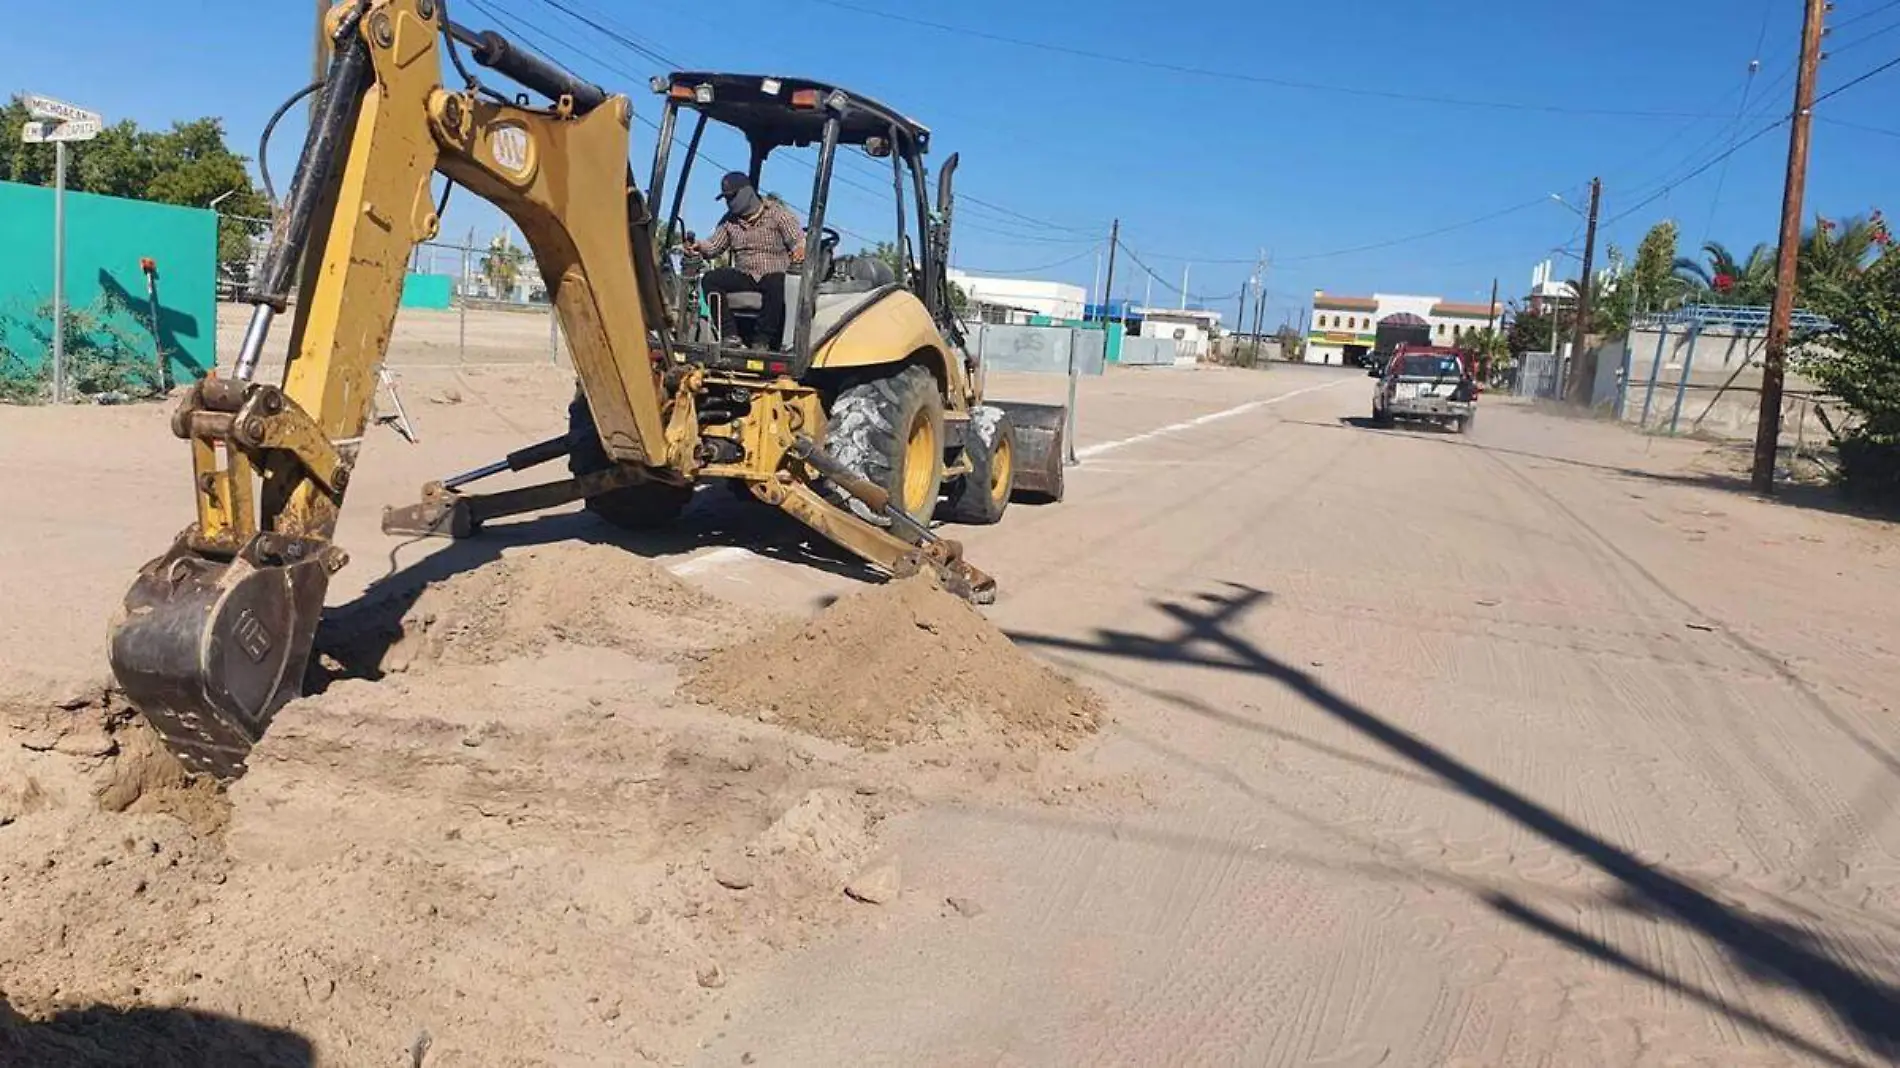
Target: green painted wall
{"points": [[436, 291], [105, 239]]}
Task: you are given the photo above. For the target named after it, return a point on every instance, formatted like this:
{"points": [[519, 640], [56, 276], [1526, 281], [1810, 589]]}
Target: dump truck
{"points": [[863, 420]]}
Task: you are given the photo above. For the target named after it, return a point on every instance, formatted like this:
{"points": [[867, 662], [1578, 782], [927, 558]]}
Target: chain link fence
{"points": [[464, 305]]}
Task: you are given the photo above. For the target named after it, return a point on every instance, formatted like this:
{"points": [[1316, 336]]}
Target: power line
{"points": [[1845, 86], [1863, 39], [623, 39], [1499, 214], [1869, 13], [651, 51], [1745, 142], [1011, 212], [1754, 67], [1858, 126], [1251, 79], [1065, 261]]}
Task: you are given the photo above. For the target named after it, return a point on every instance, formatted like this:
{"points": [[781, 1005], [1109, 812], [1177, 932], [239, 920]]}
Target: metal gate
{"points": [[1537, 374]]}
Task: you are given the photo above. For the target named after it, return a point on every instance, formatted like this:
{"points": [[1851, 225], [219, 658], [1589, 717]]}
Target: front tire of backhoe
{"points": [[889, 431], [642, 506], [980, 497]]}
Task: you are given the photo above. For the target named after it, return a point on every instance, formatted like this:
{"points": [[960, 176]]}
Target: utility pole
{"points": [[1583, 296], [1184, 280], [1095, 286], [1108, 290], [1774, 363], [1492, 326]]}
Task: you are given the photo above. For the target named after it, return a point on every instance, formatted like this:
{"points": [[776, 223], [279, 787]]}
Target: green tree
{"points": [[189, 164], [1857, 360], [1529, 332], [1653, 285], [501, 266]]}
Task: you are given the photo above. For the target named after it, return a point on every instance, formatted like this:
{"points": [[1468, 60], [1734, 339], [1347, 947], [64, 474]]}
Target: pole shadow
{"points": [[1770, 953]]}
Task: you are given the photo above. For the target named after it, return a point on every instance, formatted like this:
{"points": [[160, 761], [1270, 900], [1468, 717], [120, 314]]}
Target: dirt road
{"points": [[1525, 747]]}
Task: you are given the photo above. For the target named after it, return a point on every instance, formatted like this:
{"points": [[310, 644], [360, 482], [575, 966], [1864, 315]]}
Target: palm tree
{"points": [[1724, 280], [1834, 251]]}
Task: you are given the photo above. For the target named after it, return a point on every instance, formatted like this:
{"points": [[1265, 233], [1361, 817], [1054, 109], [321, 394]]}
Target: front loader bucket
{"points": [[1039, 441], [208, 650]]}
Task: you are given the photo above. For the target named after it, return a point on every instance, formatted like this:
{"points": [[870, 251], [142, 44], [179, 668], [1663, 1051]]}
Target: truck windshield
{"points": [[1430, 367]]}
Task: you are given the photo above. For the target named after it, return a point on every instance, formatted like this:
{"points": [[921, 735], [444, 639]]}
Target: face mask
{"points": [[744, 203]]}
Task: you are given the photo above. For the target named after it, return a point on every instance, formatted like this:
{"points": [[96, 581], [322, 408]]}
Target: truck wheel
{"points": [[889, 431], [980, 497], [643, 506], [1381, 417]]}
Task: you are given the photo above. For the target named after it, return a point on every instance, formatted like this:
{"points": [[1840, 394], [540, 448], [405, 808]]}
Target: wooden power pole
{"points": [[1108, 290], [1787, 256], [1575, 390]]}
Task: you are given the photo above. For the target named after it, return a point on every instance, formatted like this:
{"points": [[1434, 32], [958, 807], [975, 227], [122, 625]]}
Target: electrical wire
{"points": [[1857, 126], [1869, 13], [544, 36], [1862, 39], [1754, 67], [613, 34], [1251, 79], [1480, 220], [1065, 261]]}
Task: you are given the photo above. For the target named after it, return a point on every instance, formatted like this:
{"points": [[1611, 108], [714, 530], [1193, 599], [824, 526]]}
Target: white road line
{"points": [[709, 561], [1202, 420]]}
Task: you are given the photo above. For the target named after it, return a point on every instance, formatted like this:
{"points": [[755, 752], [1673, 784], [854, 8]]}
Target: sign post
{"points": [[59, 123]]}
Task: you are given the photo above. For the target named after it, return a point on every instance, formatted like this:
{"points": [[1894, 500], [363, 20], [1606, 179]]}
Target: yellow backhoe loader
{"points": [[853, 422]]}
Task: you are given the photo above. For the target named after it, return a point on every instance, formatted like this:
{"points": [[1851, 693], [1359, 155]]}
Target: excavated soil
{"points": [[498, 836], [894, 665], [521, 604]]}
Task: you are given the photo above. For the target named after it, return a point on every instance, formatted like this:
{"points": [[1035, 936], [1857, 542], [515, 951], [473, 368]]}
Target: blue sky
{"points": [[1200, 169]]}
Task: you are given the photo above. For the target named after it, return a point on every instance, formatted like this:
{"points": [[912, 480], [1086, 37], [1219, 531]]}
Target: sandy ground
{"points": [[1536, 746]]}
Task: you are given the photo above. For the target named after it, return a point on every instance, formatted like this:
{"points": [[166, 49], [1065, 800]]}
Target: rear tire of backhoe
{"points": [[980, 497], [888, 430], [642, 506]]}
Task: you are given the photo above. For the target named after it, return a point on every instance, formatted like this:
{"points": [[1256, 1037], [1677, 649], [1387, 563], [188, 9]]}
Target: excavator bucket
{"points": [[1040, 431], [209, 650]]}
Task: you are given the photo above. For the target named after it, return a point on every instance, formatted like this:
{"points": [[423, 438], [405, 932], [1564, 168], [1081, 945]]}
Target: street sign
{"points": [[59, 123], [45, 107], [35, 133]]}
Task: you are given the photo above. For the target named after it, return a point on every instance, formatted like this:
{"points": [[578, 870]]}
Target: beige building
{"points": [[1343, 328]]}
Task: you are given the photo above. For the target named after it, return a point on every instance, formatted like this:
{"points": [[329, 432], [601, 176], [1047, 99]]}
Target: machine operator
{"points": [[766, 240]]}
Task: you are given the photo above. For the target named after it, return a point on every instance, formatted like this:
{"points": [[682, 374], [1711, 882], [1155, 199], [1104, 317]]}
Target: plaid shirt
{"points": [[760, 245]]}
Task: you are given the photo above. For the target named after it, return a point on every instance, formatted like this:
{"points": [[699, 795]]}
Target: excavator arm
{"points": [[216, 633]]}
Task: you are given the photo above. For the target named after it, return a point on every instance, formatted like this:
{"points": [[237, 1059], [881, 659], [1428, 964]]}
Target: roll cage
{"points": [[774, 112]]}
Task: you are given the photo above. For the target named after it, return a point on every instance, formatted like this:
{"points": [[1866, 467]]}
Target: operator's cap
{"points": [[732, 183]]}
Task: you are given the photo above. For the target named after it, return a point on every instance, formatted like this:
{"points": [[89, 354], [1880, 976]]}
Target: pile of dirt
{"points": [[587, 595], [901, 663]]}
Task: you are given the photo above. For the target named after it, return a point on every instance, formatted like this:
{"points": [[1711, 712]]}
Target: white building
{"points": [[1343, 328], [1014, 300], [1192, 328]]}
